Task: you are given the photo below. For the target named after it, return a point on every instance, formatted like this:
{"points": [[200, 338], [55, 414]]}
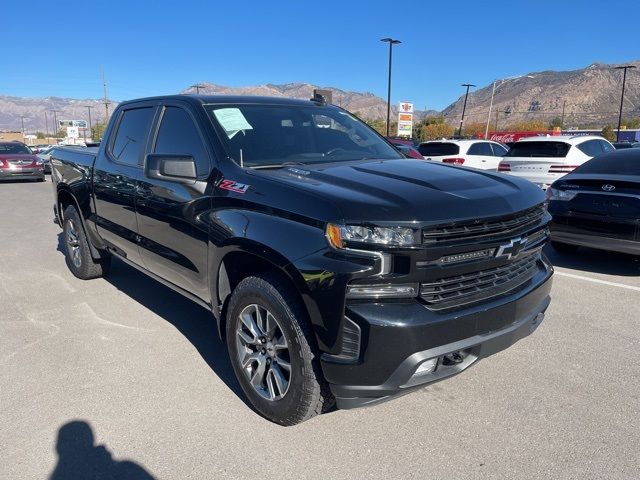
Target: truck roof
{"points": [[231, 99]]}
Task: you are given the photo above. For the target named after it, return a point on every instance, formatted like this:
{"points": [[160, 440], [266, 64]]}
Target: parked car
{"points": [[543, 160], [598, 204], [482, 154], [336, 269], [407, 150], [18, 163], [622, 145], [45, 157]]}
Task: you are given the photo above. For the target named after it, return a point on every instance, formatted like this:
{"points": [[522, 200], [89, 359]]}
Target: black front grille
{"points": [[451, 292], [505, 226]]}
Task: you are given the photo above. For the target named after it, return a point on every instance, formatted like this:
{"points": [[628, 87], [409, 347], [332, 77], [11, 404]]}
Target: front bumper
{"points": [[397, 337]]}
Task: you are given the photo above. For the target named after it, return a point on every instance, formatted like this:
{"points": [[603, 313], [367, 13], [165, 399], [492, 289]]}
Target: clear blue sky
{"points": [[159, 47]]}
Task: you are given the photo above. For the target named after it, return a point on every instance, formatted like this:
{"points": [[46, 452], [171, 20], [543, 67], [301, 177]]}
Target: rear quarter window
{"points": [[437, 149]]}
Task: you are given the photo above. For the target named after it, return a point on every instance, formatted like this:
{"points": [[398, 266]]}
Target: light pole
{"points": [[464, 107], [624, 80], [391, 43], [493, 92], [22, 120]]}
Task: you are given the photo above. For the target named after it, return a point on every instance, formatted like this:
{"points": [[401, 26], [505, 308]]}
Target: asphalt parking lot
{"points": [[141, 369]]}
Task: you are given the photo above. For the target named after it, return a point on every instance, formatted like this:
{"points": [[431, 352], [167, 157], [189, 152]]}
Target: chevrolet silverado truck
{"points": [[337, 270]]}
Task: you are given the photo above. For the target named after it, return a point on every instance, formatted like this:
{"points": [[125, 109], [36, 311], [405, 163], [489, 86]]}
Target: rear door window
{"points": [[480, 148], [438, 149], [549, 149], [131, 136]]}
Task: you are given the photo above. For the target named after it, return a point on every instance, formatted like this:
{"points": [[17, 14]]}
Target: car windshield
{"points": [[13, 149], [263, 136], [619, 163], [539, 149], [437, 149]]}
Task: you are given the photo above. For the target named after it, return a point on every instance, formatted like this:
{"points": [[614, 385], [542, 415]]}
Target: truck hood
{"points": [[391, 191]]}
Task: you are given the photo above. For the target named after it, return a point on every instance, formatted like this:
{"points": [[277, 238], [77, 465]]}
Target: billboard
{"points": [[405, 119], [72, 123]]}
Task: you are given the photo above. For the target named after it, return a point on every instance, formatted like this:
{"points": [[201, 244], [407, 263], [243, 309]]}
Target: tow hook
{"points": [[452, 358]]}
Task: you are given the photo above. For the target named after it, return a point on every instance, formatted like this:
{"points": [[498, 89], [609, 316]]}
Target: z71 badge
{"points": [[234, 186]]}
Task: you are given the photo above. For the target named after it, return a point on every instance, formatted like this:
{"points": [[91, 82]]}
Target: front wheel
{"points": [[271, 347]]}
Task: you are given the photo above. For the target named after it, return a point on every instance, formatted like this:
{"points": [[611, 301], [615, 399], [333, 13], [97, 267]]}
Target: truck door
{"points": [[173, 241], [116, 174]]}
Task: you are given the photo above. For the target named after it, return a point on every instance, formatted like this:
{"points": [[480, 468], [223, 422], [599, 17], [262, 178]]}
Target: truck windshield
{"points": [[263, 136]]}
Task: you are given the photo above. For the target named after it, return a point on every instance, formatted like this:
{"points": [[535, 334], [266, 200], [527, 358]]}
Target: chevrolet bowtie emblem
{"points": [[511, 249]]}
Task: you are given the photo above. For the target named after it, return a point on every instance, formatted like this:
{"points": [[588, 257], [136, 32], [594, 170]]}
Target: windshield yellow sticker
{"points": [[232, 120]]}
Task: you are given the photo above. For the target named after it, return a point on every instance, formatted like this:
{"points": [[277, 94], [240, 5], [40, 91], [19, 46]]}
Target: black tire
{"points": [[307, 393], [77, 251], [564, 247]]}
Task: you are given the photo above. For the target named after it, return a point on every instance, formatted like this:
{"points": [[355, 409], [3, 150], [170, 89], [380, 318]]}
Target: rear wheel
{"points": [[272, 350], [564, 247], [77, 251]]}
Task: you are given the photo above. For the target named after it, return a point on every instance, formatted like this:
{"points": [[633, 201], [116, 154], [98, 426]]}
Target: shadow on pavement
{"points": [[194, 322], [80, 458], [596, 261]]}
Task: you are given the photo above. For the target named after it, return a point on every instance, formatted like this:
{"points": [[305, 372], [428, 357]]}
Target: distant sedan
{"points": [[598, 204], [407, 150]]}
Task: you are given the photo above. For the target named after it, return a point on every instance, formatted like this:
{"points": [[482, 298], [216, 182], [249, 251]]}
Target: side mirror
{"points": [[170, 167]]}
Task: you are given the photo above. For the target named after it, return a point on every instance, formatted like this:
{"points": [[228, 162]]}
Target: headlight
{"points": [[561, 195], [338, 235]]}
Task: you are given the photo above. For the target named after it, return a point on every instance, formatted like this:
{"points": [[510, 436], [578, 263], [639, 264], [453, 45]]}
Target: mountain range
{"points": [[589, 95]]}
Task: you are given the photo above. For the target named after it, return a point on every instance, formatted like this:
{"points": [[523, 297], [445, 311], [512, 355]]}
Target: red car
{"points": [[18, 163], [406, 147]]}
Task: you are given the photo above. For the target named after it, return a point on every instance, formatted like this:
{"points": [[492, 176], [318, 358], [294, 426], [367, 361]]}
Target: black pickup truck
{"points": [[337, 270]]}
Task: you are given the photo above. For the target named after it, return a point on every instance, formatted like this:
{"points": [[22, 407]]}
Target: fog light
{"points": [[428, 366], [382, 291]]}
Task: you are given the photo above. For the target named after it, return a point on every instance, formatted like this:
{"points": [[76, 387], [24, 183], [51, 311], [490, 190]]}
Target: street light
{"points": [[493, 92], [464, 107], [624, 80], [391, 43]]}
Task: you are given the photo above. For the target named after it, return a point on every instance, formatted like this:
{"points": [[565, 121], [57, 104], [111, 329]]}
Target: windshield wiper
{"points": [[280, 165]]}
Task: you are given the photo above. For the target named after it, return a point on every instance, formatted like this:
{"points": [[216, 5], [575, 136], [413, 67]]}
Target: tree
{"points": [[435, 131], [608, 133], [39, 135], [555, 123], [631, 122], [97, 131], [528, 126], [474, 129]]}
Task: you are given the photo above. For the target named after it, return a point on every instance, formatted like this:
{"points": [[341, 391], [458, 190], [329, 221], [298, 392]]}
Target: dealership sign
{"points": [[405, 119]]}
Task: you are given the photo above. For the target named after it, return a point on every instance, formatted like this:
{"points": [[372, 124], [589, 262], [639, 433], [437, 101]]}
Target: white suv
{"points": [[542, 160], [481, 154]]}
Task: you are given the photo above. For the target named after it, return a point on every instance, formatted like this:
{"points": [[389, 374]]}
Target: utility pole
{"points": [[391, 43], [89, 107], [46, 125], [564, 104], [197, 86], [624, 80], [22, 121], [464, 107], [106, 101], [55, 124]]}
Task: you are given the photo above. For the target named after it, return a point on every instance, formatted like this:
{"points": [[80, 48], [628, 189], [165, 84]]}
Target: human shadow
{"points": [[595, 261], [79, 458]]}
